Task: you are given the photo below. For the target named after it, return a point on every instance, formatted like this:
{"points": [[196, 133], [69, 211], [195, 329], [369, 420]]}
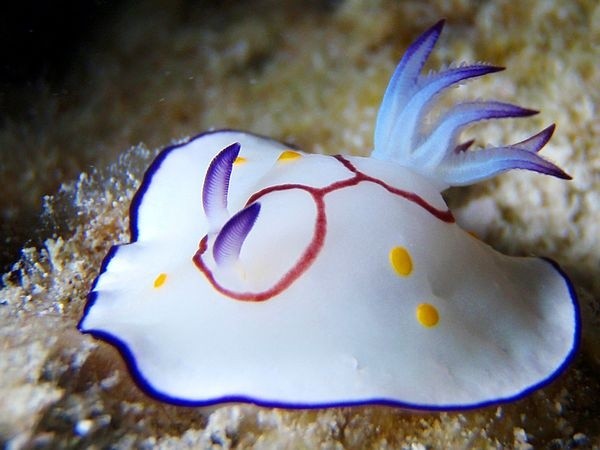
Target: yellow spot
{"points": [[288, 155], [160, 280], [401, 261], [427, 315], [239, 160], [472, 233]]}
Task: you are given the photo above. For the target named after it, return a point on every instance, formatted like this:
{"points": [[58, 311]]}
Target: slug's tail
{"points": [[437, 154]]}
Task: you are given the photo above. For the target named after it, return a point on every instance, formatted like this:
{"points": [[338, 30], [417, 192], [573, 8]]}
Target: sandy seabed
{"points": [[312, 74]]}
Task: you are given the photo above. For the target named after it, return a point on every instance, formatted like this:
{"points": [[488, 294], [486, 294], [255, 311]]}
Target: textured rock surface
{"points": [[312, 74]]}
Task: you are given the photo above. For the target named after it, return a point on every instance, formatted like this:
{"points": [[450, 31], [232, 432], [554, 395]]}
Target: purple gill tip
{"points": [[443, 136], [535, 143], [402, 81], [435, 82], [461, 169], [216, 186], [230, 239], [464, 146], [416, 54]]}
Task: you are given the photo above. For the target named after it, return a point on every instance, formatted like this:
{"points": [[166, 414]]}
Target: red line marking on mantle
{"points": [[319, 232]]}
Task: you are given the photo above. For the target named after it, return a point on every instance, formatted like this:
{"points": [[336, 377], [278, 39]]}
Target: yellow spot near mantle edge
{"points": [[427, 315], [288, 155], [239, 160], [160, 280], [401, 261]]}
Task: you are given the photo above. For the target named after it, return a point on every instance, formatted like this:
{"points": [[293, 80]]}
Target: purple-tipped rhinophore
{"points": [[230, 239], [434, 151], [216, 186]]}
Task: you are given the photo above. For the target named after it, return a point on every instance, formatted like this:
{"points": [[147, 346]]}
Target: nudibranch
{"points": [[260, 273]]}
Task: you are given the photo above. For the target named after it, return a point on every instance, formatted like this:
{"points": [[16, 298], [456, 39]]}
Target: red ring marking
{"points": [[320, 230], [307, 258]]}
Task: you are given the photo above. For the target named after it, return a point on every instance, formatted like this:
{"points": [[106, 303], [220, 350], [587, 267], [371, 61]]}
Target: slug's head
{"points": [[437, 154]]}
